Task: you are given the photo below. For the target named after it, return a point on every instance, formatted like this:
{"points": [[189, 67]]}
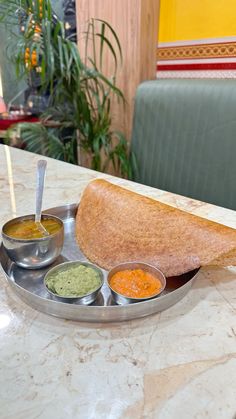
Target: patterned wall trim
{"points": [[199, 55], [203, 41], [215, 74], [218, 50]]}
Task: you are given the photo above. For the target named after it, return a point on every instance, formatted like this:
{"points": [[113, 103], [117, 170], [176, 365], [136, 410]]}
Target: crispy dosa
{"points": [[115, 225]]}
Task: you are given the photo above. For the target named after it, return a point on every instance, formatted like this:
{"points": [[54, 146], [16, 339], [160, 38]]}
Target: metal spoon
{"points": [[41, 168]]}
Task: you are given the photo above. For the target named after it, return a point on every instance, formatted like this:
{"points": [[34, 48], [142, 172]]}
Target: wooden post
{"points": [[136, 25]]}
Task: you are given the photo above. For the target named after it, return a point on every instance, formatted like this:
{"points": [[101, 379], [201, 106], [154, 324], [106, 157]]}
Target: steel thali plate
{"points": [[28, 285]]}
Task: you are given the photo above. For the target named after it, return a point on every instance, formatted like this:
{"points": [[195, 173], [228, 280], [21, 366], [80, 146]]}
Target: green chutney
{"points": [[73, 281]]}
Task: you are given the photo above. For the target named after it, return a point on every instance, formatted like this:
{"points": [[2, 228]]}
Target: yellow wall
{"points": [[196, 19]]}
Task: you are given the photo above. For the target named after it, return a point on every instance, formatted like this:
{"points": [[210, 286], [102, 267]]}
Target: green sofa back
{"points": [[184, 138]]}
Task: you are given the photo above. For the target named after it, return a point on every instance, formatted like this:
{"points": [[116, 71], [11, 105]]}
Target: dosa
{"points": [[115, 225]]}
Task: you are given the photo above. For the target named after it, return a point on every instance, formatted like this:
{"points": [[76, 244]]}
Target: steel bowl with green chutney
{"points": [[75, 281]]}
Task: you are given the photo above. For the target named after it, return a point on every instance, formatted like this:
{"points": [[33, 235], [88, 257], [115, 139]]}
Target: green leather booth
{"points": [[184, 138]]}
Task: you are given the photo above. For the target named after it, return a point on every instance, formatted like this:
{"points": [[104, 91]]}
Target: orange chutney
{"points": [[135, 283]]}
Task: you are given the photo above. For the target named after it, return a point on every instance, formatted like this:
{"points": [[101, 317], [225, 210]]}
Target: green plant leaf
{"points": [[79, 92], [114, 35]]}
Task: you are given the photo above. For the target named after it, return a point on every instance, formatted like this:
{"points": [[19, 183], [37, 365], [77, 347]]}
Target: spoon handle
{"points": [[41, 168]]}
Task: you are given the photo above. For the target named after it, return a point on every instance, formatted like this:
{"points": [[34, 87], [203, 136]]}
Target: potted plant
{"points": [[77, 118]]}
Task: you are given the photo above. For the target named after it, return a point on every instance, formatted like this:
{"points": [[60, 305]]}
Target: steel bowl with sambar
{"points": [[27, 246]]}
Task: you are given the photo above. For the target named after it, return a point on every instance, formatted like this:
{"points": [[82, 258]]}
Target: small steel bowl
{"points": [[122, 299], [33, 253], [83, 300]]}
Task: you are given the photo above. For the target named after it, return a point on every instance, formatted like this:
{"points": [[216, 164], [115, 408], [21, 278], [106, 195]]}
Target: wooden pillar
{"points": [[136, 25]]}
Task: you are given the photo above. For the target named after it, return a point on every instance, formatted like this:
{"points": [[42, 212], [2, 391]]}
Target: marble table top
{"points": [[180, 363]]}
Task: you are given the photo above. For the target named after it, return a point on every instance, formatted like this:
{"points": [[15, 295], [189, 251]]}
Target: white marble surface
{"points": [[180, 363]]}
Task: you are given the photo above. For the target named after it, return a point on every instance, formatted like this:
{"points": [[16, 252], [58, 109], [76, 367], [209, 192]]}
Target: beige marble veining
{"points": [[180, 363]]}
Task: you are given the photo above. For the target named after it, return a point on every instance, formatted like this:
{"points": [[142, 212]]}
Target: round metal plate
{"points": [[29, 285]]}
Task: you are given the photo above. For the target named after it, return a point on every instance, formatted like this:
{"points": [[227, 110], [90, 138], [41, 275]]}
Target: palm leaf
{"points": [[114, 35], [79, 91]]}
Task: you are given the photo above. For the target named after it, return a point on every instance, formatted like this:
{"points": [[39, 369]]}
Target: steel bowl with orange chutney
{"points": [[135, 283]]}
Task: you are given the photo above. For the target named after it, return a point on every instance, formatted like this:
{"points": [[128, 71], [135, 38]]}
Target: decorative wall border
{"points": [[197, 55], [216, 50], [214, 74]]}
